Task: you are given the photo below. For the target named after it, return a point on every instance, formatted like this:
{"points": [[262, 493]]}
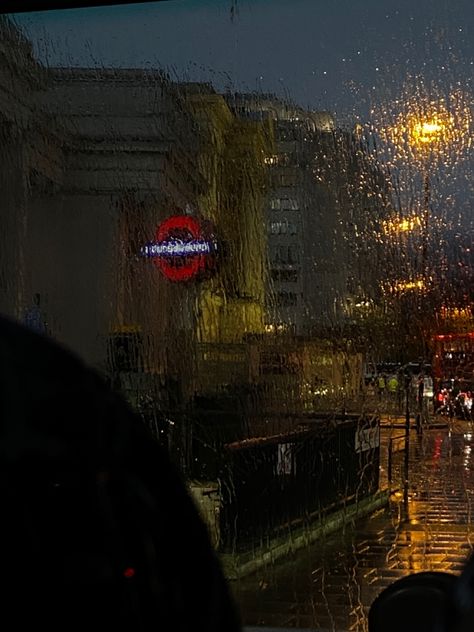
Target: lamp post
{"points": [[427, 130], [425, 137], [407, 383]]}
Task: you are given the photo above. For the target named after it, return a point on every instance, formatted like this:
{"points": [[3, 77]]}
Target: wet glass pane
{"points": [[255, 220]]}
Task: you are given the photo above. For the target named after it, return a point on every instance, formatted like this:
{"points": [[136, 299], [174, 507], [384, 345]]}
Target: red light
{"points": [[454, 336], [129, 572]]}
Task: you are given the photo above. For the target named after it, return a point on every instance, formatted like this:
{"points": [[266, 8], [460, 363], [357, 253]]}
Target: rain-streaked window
{"points": [[254, 219]]}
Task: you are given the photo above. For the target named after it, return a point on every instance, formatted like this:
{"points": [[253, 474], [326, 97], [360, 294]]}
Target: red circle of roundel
{"points": [[186, 228]]}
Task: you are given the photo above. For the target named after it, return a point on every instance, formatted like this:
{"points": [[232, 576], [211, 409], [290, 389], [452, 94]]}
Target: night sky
{"points": [[339, 55]]}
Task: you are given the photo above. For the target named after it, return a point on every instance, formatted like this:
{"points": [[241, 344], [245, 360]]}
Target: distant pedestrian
{"points": [[381, 384], [419, 400], [392, 388], [392, 385], [420, 391], [468, 405]]}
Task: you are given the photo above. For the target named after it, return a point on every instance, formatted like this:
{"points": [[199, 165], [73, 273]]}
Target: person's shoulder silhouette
{"points": [[97, 528]]}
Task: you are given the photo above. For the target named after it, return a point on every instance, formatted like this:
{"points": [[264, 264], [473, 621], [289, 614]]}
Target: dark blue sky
{"points": [[328, 54]]}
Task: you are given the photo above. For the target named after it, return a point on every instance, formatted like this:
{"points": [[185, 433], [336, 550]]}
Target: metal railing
{"points": [[396, 444], [272, 484]]}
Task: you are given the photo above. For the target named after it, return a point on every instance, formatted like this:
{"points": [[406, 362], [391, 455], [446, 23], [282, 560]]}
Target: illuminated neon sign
{"points": [[185, 248]]}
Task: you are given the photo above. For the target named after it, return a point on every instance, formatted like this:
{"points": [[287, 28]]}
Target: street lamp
{"points": [[399, 225], [421, 136], [426, 137], [426, 130]]}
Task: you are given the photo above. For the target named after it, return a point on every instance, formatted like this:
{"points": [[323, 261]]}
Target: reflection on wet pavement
{"points": [[331, 584]]}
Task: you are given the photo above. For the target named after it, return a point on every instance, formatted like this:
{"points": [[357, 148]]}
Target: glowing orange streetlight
{"points": [[426, 132], [399, 225]]}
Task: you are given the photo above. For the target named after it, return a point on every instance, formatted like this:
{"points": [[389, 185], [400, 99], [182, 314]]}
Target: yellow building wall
{"points": [[231, 160]]}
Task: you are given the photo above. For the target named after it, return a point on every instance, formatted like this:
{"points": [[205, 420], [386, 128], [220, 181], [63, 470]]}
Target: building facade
{"points": [[320, 210]]}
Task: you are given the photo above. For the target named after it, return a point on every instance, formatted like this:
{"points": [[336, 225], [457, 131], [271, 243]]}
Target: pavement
{"points": [[331, 584]]}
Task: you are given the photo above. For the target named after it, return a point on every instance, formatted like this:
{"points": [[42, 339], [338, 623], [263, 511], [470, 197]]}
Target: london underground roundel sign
{"points": [[185, 248]]}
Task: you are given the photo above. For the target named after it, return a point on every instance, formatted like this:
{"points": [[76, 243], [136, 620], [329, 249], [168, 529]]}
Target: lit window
{"points": [[279, 228]]}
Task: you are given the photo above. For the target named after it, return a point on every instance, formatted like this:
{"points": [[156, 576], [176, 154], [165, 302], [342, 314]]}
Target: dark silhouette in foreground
{"points": [[97, 529], [426, 602]]}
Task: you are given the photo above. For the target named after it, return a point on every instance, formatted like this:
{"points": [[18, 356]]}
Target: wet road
{"points": [[331, 584]]}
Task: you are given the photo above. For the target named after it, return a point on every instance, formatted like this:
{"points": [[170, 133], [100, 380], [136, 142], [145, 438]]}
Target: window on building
{"points": [[276, 254], [289, 276], [287, 179], [284, 204], [286, 299], [282, 254], [271, 160], [293, 254], [292, 228], [278, 228], [282, 227], [289, 204]]}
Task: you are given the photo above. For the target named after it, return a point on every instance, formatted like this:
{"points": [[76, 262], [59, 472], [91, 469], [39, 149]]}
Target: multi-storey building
{"points": [[94, 161], [325, 200], [304, 218]]}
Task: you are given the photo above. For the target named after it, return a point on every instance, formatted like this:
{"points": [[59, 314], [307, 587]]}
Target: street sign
{"points": [[284, 465], [367, 439], [185, 248]]}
